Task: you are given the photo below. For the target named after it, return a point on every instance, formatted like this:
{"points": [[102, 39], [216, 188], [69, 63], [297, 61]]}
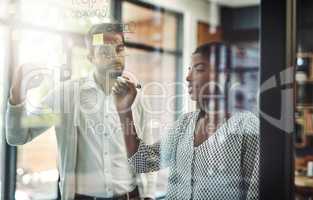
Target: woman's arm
{"points": [[250, 156], [144, 158], [141, 155], [147, 182], [130, 134], [150, 158]]}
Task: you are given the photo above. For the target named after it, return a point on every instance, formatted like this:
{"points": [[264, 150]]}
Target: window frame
{"points": [[178, 53], [8, 186], [9, 152], [277, 150]]}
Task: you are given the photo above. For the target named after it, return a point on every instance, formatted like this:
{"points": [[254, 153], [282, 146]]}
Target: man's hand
{"points": [[26, 77], [124, 94]]}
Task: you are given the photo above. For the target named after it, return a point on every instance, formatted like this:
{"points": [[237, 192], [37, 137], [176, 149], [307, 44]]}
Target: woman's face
{"points": [[200, 76]]}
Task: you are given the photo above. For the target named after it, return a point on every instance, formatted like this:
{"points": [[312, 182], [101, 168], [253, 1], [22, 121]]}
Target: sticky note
{"points": [[97, 39]]}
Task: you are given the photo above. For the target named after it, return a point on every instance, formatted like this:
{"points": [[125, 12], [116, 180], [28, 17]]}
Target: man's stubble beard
{"points": [[108, 72]]}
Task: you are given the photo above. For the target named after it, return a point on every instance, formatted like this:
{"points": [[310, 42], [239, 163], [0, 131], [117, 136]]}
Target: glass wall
{"points": [[4, 9], [303, 137], [237, 60], [37, 173], [153, 57], [51, 35], [153, 54], [3, 65], [47, 32]]}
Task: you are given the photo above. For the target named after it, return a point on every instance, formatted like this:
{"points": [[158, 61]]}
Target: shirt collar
{"points": [[89, 82]]}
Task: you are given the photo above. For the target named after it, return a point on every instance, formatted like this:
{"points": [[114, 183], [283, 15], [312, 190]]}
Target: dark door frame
{"points": [[277, 159]]}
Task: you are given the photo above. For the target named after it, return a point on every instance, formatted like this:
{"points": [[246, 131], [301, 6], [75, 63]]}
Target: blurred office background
{"points": [[163, 34]]}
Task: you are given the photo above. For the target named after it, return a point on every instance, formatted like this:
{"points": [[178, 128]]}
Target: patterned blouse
{"points": [[223, 167]]}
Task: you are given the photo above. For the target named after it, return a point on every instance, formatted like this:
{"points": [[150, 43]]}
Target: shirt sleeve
{"points": [[149, 158], [146, 181], [23, 126], [250, 155]]}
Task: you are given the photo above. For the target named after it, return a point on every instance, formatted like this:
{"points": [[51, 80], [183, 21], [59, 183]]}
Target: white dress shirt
{"points": [[64, 101], [102, 168]]}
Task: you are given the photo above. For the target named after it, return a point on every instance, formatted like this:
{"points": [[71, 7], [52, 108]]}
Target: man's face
{"points": [[109, 58]]}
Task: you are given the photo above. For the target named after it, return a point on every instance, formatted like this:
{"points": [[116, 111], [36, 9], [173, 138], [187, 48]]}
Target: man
{"points": [[92, 154]]}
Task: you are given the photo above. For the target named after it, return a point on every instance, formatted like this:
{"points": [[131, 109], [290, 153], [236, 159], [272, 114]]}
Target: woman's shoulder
{"points": [[187, 117], [184, 121], [244, 115], [247, 120]]}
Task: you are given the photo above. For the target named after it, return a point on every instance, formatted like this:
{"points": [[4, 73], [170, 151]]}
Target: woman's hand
{"points": [[124, 94]]}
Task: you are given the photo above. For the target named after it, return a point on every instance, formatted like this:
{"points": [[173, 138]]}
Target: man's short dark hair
{"points": [[114, 27]]}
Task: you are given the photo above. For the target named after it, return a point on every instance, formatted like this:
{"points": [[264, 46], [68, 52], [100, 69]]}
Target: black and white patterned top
{"points": [[224, 167]]}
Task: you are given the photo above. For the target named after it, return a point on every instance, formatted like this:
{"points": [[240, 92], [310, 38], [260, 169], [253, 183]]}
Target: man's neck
{"points": [[104, 83]]}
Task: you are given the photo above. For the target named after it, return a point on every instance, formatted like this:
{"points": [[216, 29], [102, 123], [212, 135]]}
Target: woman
{"points": [[205, 163]]}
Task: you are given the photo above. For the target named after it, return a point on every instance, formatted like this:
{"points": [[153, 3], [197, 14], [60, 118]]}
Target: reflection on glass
{"points": [[4, 8], [303, 136], [40, 47], [244, 78], [81, 66], [68, 15], [150, 27], [44, 51], [3, 57], [37, 173], [157, 73], [43, 13]]}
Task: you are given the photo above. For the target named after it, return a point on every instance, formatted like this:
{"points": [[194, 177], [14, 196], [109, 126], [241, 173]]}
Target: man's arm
{"points": [[22, 126], [18, 128], [251, 154], [16, 134]]}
